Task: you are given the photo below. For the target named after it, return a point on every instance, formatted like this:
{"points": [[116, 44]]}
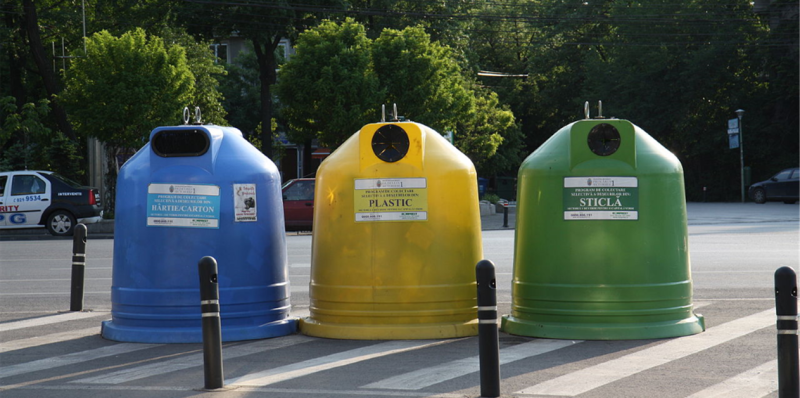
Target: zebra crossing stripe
{"points": [[344, 358], [48, 339], [294, 392], [70, 359], [46, 320], [193, 360], [587, 379], [757, 382], [426, 377]]}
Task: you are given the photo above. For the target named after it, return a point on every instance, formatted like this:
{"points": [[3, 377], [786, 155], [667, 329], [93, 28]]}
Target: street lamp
{"points": [[739, 113]]}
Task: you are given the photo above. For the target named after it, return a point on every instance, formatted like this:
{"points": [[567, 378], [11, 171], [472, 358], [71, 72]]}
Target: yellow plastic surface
{"points": [[406, 279]]}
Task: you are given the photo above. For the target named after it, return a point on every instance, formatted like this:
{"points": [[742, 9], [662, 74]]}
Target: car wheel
{"points": [[759, 196], [61, 223]]}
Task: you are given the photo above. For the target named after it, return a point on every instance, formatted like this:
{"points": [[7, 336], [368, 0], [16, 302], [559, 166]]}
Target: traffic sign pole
{"points": [[739, 113]]}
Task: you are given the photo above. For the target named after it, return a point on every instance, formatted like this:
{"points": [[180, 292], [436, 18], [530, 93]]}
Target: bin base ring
{"points": [[314, 328], [603, 331], [132, 334]]}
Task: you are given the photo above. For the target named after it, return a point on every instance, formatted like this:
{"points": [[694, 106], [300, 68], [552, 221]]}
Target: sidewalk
{"points": [[698, 214]]}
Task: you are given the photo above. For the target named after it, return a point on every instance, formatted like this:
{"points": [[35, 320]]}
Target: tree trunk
{"points": [[267, 65], [15, 60], [110, 199], [31, 23]]}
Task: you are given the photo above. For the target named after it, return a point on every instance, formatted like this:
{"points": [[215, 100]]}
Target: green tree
{"points": [[25, 125], [35, 146], [31, 70], [264, 24], [125, 87], [241, 90], [491, 138], [334, 84], [207, 73], [423, 78], [328, 88], [683, 81]]}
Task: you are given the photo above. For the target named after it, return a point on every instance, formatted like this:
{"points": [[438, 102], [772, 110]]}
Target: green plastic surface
{"points": [[591, 278]]}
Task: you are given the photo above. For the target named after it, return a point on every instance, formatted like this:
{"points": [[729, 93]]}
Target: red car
{"points": [[298, 204]]}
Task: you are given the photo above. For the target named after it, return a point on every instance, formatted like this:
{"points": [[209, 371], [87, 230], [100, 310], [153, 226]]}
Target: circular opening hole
{"points": [[604, 139], [390, 143]]}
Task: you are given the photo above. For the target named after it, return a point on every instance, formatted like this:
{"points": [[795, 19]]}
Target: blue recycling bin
{"points": [[482, 184], [195, 191]]}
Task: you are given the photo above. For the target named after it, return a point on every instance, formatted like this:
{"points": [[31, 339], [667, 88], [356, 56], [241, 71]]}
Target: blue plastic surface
{"points": [[155, 290]]}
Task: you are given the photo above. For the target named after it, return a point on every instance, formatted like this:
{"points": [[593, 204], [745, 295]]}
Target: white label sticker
{"points": [[244, 203], [391, 199], [183, 205]]}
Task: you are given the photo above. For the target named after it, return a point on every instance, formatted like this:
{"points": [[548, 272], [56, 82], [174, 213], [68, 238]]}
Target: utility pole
{"points": [[739, 113]]}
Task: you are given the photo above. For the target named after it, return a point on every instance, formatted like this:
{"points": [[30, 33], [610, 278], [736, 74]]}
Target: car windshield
{"points": [[68, 181]]}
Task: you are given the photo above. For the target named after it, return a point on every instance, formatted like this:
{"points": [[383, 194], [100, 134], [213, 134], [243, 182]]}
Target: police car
{"points": [[43, 199]]}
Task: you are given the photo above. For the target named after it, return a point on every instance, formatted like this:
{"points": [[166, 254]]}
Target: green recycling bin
{"points": [[602, 248]]}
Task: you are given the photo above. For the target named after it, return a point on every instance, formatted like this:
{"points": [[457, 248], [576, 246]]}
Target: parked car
{"points": [[298, 204], [781, 187], [43, 199]]}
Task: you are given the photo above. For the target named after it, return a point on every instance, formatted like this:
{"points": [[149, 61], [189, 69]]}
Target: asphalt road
{"points": [[45, 351]]}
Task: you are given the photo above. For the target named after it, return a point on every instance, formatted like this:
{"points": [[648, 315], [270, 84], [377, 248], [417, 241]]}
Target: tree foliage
{"points": [[36, 146], [329, 88], [126, 86], [677, 68], [423, 78], [206, 71], [264, 25], [337, 79], [241, 90]]}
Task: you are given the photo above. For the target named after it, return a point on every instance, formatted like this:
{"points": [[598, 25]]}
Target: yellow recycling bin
{"points": [[396, 238]]}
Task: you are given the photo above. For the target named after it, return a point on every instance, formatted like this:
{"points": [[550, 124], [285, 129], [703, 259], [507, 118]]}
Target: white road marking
{"points": [[588, 379], [46, 320], [331, 361], [757, 382], [264, 390], [48, 339], [51, 280], [429, 376], [70, 359], [193, 360], [65, 293]]}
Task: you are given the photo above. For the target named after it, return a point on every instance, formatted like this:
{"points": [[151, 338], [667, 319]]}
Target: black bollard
{"points": [[78, 268], [212, 328], [488, 335], [786, 309], [505, 215]]}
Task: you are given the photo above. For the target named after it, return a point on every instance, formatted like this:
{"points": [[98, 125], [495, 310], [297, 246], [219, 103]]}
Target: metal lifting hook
{"points": [[599, 110]]}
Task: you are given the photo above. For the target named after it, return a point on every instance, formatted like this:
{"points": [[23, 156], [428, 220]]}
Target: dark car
{"points": [[298, 204], [36, 199], [781, 187]]}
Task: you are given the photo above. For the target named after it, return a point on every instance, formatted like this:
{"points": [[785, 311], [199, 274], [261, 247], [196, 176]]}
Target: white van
{"points": [[43, 199]]}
